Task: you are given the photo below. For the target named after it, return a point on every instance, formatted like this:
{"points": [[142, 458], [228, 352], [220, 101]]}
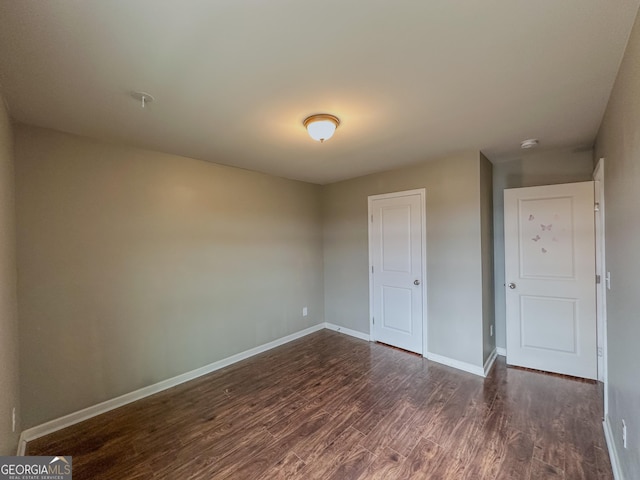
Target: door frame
{"points": [[601, 269], [591, 254], [423, 235]]}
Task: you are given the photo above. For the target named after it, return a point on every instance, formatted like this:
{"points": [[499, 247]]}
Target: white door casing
{"points": [[397, 257], [550, 278], [601, 271]]}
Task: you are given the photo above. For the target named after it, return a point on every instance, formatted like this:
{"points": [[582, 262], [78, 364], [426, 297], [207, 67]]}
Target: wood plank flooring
{"points": [[330, 406]]}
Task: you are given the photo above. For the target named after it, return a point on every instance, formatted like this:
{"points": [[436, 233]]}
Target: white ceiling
{"points": [[233, 79]]}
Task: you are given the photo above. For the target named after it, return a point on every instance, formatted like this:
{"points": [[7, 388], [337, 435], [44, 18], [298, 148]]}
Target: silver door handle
{"points": [[512, 285], [416, 282]]}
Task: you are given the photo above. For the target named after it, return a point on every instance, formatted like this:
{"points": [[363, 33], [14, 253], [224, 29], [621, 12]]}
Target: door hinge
{"points": [[373, 319], [596, 207], [371, 268], [598, 280], [372, 218]]}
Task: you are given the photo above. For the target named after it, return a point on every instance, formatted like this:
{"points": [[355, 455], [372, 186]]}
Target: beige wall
{"points": [[619, 142], [543, 168], [9, 379], [136, 266], [486, 218], [454, 268]]}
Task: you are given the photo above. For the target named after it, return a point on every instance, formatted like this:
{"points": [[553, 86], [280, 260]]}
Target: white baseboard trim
{"points": [[450, 362], [22, 446], [348, 331], [106, 406], [501, 351], [488, 365], [611, 446]]}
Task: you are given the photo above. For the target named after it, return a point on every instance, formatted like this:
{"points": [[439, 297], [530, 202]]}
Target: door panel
{"points": [[550, 263], [397, 309], [546, 238], [396, 250], [549, 323], [395, 223]]}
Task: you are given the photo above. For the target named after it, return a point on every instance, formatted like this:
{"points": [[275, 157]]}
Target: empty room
{"points": [[302, 240]]}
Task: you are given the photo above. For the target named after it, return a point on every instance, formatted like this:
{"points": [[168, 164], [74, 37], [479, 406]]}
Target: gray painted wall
{"points": [[454, 255], [619, 142], [488, 294], [136, 266], [9, 374], [543, 168]]}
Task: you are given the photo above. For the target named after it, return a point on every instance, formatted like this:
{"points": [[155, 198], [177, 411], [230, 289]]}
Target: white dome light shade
{"points": [[321, 127], [321, 130]]}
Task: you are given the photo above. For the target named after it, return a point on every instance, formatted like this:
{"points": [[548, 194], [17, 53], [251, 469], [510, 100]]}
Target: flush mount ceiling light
{"points": [[322, 126], [531, 143]]}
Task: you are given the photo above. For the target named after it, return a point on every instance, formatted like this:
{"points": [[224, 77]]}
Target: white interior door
{"points": [[397, 251], [550, 275]]}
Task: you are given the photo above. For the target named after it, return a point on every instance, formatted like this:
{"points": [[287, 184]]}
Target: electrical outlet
{"points": [[491, 330], [13, 419], [624, 434], [305, 312]]}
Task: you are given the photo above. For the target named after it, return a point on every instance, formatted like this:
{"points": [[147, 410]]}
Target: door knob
{"points": [[416, 282], [512, 285]]}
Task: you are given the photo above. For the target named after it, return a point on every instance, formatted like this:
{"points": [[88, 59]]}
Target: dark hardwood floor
{"points": [[332, 407]]}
